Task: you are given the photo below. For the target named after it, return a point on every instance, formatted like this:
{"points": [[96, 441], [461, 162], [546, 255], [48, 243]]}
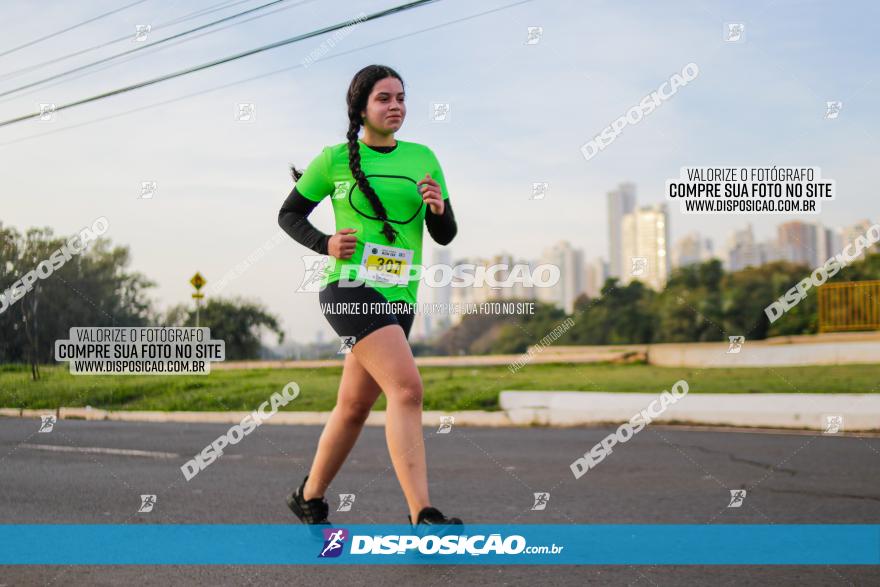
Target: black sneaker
{"points": [[431, 516], [311, 511]]}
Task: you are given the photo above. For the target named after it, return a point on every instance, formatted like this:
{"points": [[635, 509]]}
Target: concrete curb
{"points": [[566, 355], [429, 418], [780, 411], [861, 412], [837, 348], [758, 353]]}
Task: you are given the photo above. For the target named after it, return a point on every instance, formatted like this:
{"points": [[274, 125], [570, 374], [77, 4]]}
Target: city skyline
{"points": [[644, 230]]}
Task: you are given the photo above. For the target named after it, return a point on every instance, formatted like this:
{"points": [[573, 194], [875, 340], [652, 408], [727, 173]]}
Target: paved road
{"points": [[662, 475]]}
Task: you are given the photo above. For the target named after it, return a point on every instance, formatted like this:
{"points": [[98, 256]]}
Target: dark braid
{"points": [[358, 94]]}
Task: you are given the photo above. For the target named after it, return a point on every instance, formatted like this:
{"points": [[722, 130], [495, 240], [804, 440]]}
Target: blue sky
{"points": [[519, 114]]}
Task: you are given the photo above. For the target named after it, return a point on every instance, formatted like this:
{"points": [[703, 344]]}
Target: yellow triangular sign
{"points": [[197, 281]]}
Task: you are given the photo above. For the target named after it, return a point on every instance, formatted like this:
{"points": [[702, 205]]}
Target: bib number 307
{"points": [[386, 263]]}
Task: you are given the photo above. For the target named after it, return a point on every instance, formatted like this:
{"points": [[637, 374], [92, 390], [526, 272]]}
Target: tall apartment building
{"points": [[427, 325], [621, 202], [742, 251], [645, 245], [570, 262], [849, 234], [798, 241], [595, 274], [507, 288], [691, 249]]}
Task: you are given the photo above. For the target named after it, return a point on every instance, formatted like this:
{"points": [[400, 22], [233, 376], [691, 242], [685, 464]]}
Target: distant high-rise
{"points": [[826, 244], [519, 290], [474, 294], [462, 295], [645, 246], [621, 202], [691, 249], [849, 234], [441, 295], [571, 276], [769, 252], [432, 323], [798, 242], [595, 274], [742, 251]]}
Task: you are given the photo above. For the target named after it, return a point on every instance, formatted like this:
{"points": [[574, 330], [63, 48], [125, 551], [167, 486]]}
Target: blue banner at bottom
{"points": [[492, 544]]}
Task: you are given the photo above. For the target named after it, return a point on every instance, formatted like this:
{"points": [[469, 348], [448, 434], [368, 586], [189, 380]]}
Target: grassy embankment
{"points": [[460, 388]]}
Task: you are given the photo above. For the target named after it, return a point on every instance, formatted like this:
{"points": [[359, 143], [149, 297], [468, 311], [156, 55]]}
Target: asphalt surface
{"points": [[662, 475]]}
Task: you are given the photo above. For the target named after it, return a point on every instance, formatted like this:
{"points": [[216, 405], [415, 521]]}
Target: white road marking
{"points": [[106, 451]]}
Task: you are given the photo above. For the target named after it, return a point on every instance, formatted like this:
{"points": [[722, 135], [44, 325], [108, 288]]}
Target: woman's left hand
{"points": [[432, 195]]}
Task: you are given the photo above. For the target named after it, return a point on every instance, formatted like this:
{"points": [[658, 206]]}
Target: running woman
{"points": [[383, 191]]}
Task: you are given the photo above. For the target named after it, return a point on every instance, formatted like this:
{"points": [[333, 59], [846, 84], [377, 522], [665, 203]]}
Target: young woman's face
{"points": [[385, 108]]}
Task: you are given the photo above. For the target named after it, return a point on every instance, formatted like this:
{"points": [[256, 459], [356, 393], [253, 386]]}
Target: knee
{"points": [[408, 394], [355, 412]]}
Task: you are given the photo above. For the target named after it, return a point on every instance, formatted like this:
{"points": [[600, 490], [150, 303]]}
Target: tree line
{"points": [[96, 288], [700, 303]]}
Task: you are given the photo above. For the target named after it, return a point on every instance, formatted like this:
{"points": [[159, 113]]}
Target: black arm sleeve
{"points": [[442, 228], [293, 219]]}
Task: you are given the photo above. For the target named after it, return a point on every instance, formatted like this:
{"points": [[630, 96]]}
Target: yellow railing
{"points": [[851, 305]]}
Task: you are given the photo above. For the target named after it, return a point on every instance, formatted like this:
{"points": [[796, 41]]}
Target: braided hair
{"points": [[358, 94], [356, 99]]}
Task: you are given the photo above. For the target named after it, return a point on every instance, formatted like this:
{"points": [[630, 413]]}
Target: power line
{"points": [[375, 15], [178, 20], [141, 48], [70, 28], [260, 76], [127, 58]]}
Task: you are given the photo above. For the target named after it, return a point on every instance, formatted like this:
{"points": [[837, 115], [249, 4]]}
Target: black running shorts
{"points": [[358, 311]]}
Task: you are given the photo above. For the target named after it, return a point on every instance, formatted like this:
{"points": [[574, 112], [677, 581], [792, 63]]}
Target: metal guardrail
{"points": [[850, 305]]}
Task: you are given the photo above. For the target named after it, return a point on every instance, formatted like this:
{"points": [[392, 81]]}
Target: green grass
{"points": [[460, 388]]}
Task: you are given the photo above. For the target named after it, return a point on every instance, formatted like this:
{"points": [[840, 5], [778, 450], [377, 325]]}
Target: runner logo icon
{"points": [[737, 496], [334, 540], [541, 500], [736, 343], [346, 500], [341, 190], [47, 423]]}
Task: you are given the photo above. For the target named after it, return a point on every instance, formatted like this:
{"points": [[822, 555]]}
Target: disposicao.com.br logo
{"points": [[448, 544]]}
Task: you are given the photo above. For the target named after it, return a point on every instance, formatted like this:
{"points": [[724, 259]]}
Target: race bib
{"points": [[386, 263]]}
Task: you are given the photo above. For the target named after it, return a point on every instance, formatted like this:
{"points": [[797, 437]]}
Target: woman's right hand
{"points": [[341, 245]]}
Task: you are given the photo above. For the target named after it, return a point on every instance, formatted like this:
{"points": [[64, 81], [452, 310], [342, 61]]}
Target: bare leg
{"points": [[387, 357], [358, 392]]}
